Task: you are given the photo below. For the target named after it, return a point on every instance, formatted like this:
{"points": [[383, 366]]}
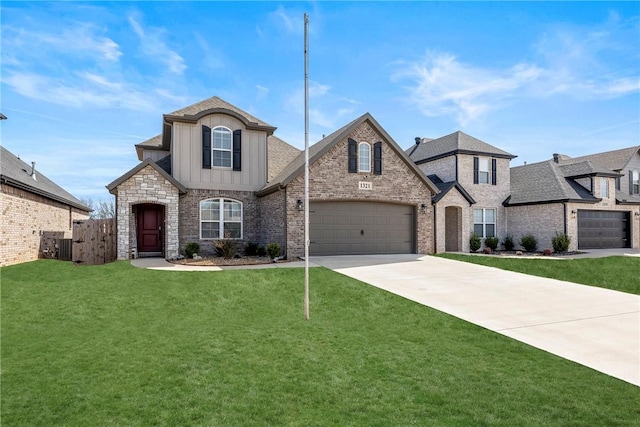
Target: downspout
{"points": [[286, 214], [435, 228], [564, 206]]}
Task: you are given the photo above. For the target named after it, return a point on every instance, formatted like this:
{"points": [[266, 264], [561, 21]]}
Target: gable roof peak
{"points": [[457, 142]]}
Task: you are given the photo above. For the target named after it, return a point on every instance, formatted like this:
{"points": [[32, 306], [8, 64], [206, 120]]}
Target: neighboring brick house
{"points": [[218, 172], [593, 199], [35, 211], [473, 179]]}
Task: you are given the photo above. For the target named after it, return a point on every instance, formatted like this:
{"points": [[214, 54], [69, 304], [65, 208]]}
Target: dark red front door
{"points": [[150, 228]]}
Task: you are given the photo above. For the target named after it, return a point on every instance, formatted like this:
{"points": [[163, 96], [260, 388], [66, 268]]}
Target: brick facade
{"points": [[459, 226], [31, 224], [146, 186], [189, 227], [273, 225], [329, 180]]}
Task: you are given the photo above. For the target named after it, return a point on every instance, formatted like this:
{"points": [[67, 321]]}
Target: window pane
{"points": [[477, 216], [232, 230], [483, 177], [491, 230], [484, 165], [490, 216], [210, 211], [222, 138], [364, 157], [222, 158], [477, 228], [232, 211], [604, 188], [210, 230]]}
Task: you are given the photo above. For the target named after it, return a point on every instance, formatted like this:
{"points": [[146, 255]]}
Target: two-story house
{"points": [[593, 199], [473, 179], [217, 172]]}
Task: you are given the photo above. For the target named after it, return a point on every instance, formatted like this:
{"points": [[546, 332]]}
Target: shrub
{"points": [[474, 242], [274, 251], [190, 249], [225, 248], [508, 243], [529, 243], [561, 242], [492, 242], [251, 249], [261, 251]]}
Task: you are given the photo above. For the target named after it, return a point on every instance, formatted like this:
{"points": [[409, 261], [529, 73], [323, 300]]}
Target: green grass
{"points": [[620, 273], [114, 345]]}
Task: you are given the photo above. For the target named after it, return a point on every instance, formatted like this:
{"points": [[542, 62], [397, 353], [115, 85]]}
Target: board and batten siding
{"points": [[633, 164], [187, 157]]}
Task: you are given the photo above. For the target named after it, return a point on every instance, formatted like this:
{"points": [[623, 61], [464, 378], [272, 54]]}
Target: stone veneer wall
{"points": [[330, 180], [190, 217], [146, 186], [452, 198], [29, 222]]}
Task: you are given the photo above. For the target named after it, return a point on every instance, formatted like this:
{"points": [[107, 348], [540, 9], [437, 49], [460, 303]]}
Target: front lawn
{"points": [[116, 345], [620, 273]]}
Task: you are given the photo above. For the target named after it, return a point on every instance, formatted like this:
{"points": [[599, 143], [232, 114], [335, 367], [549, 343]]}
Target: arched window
{"points": [[221, 147], [220, 219], [364, 157]]}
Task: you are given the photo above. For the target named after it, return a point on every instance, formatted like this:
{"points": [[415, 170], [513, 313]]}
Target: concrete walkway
{"points": [[595, 327]]}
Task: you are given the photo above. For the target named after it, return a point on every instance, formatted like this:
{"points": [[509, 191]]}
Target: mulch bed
{"points": [[219, 261]]}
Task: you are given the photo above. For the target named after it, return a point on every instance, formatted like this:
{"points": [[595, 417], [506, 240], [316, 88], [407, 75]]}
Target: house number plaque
{"points": [[365, 185]]}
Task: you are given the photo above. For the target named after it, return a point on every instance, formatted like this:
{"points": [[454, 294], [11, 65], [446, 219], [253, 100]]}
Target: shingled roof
{"points": [[614, 160], [547, 182], [17, 173], [279, 154], [455, 143], [317, 150]]}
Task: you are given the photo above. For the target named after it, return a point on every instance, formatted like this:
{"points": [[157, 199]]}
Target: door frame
{"points": [[141, 207]]}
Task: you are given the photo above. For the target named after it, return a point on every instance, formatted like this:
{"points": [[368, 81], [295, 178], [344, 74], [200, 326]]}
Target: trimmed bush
{"points": [[492, 242], [190, 249], [529, 243], [561, 242], [225, 248], [251, 249], [274, 250], [508, 243], [474, 242]]}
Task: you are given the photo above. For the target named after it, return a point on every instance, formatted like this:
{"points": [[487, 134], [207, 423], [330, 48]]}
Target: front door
{"points": [[150, 229]]}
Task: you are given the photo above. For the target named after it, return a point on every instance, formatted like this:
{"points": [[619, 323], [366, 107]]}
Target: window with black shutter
{"points": [[377, 158], [206, 147], [494, 179], [237, 150], [353, 156]]}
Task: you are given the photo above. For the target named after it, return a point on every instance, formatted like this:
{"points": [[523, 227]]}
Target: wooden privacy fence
{"points": [[94, 241]]}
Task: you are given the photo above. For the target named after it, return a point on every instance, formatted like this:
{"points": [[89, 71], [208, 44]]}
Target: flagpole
{"points": [[306, 166]]}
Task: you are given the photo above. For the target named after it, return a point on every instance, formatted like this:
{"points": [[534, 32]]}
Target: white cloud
{"points": [[442, 85], [287, 21], [155, 47]]}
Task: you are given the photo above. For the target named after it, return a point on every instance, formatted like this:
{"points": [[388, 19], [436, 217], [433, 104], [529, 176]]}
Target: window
{"points": [[636, 182], [364, 157], [604, 187], [221, 147], [220, 218], [484, 222], [483, 171]]}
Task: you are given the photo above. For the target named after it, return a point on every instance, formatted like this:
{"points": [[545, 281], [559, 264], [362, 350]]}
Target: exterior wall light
{"points": [[423, 207], [299, 204]]}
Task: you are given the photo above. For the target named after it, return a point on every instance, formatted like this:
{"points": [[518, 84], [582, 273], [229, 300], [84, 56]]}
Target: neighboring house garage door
{"points": [[343, 228], [603, 229]]}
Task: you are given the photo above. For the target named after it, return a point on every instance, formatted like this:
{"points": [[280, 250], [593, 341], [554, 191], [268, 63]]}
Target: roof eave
{"points": [[193, 119], [21, 185]]}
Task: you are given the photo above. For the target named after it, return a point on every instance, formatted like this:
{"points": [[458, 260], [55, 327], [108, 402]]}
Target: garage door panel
{"points": [[603, 229], [360, 228]]}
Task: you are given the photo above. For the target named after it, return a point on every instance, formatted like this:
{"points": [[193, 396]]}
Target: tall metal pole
{"points": [[306, 166]]}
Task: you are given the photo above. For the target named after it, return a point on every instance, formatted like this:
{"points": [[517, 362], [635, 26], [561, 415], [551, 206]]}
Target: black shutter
{"points": [[631, 182], [494, 179], [353, 156], [476, 165], [237, 150], [377, 158], [206, 147]]}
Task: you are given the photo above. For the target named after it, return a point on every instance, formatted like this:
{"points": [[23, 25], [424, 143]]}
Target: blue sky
{"points": [[83, 82]]}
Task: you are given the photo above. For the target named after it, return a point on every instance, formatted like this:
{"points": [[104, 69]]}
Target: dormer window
{"points": [[221, 147], [604, 188], [484, 171], [364, 157]]}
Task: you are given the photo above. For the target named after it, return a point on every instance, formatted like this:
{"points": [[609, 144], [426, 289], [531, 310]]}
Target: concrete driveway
{"points": [[595, 327]]}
